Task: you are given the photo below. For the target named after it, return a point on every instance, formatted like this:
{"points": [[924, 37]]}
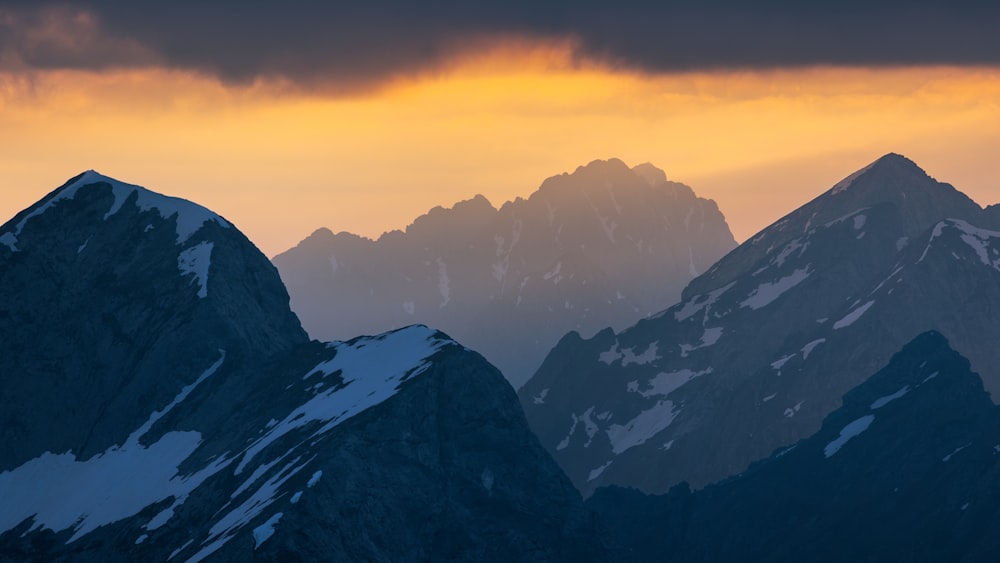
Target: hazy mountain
{"points": [[908, 469], [763, 345], [596, 248], [160, 402]]}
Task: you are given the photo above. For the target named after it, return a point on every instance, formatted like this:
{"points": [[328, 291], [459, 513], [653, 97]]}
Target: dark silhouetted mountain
{"points": [[908, 469], [763, 346], [600, 247], [160, 401]]}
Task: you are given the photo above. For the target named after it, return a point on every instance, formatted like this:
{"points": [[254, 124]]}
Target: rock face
{"points": [[596, 248], [160, 401], [908, 469], [763, 345]]}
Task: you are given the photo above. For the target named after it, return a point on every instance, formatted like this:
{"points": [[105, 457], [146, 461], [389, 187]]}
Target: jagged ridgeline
{"points": [[600, 247], [160, 401], [765, 343]]}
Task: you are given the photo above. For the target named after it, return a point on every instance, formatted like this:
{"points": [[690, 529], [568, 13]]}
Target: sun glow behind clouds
{"points": [[280, 162]]}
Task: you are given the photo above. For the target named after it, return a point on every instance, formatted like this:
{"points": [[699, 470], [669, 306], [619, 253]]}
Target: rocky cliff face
{"points": [[764, 344], [906, 469], [111, 295], [596, 248], [162, 402]]}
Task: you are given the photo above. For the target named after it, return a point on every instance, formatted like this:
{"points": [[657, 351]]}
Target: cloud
{"points": [[363, 43]]}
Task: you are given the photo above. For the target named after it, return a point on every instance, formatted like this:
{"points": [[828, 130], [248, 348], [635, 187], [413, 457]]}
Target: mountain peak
{"points": [[891, 166], [653, 175], [189, 216], [892, 182]]}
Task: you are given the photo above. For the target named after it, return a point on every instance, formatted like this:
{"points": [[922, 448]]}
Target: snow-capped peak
{"points": [[189, 216]]}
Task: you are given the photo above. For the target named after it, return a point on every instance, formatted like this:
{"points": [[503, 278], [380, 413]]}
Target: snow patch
{"points": [[314, 479], [179, 549], [699, 302], [589, 427], [644, 426], [948, 457], [540, 398], [10, 240], [883, 401], [808, 348], [853, 316], [266, 530], [938, 229], [708, 338], [849, 431], [628, 355], [647, 357], [790, 411], [610, 355], [780, 362], [296, 497], [767, 292], [594, 474], [665, 383], [795, 244], [227, 526], [978, 239], [846, 182], [196, 261], [444, 284]]}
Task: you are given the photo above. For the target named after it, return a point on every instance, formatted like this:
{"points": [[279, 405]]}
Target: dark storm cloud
{"points": [[368, 41]]}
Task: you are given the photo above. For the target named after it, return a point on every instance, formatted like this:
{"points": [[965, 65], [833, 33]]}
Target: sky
{"points": [[287, 117]]}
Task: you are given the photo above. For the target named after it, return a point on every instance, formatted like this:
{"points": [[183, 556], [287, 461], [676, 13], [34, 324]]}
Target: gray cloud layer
{"points": [[364, 42]]}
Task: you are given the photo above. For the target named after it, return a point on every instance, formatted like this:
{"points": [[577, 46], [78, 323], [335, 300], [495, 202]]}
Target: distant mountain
{"points": [[763, 345], [160, 401], [908, 469], [596, 248]]}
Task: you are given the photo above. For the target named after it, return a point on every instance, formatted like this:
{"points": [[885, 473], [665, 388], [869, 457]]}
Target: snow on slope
{"points": [[190, 216], [59, 492]]}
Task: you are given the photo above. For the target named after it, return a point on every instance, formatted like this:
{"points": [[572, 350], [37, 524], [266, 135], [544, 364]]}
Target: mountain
{"points": [[763, 345], [160, 401], [907, 469], [599, 247]]}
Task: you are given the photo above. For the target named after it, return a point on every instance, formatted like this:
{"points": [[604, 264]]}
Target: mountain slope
{"points": [[595, 248], [162, 402], [907, 469], [107, 291], [766, 342]]}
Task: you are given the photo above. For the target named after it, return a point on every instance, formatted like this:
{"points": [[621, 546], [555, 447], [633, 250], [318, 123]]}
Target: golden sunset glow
{"points": [[281, 162]]}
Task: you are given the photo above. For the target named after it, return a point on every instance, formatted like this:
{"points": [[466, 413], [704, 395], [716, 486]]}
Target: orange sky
{"points": [[281, 163]]}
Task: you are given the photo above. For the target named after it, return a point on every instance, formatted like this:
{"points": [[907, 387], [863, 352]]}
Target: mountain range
{"points": [[821, 393], [600, 247], [765, 343], [161, 401], [907, 469]]}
